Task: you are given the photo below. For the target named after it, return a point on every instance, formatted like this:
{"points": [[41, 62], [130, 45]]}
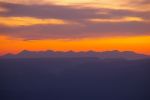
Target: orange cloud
{"points": [[3, 9], [125, 19], [29, 21], [112, 4]]}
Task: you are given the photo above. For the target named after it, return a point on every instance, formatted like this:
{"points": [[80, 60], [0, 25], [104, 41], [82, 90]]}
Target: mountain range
{"points": [[115, 54]]}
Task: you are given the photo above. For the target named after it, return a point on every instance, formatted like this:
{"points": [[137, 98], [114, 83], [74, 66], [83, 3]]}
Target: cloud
{"points": [[29, 21], [125, 19], [26, 2], [76, 31], [49, 11], [113, 4], [68, 22], [65, 12]]}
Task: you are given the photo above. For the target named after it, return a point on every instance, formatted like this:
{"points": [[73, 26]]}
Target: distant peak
{"points": [[25, 52], [49, 51], [131, 52], [113, 51]]}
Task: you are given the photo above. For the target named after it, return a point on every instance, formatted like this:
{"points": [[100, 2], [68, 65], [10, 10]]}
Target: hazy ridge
{"points": [[71, 54]]}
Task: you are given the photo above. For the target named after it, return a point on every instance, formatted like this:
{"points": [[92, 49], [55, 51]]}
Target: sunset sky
{"points": [[78, 25]]}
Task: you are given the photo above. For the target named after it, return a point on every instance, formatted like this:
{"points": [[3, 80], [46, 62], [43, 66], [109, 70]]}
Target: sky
{"points": [[78, 25]]}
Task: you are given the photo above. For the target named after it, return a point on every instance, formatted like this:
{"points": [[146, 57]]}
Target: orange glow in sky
{"points": [[78, 25], [138, 44]]}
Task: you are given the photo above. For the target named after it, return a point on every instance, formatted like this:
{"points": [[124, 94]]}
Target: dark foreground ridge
{"points": [[71, 54], [74, 79]]}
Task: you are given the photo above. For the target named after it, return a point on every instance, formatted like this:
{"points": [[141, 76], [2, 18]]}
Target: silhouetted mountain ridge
{"points": [[115, 54]]}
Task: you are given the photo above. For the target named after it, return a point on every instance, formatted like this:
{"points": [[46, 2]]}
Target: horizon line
{"points": [[75, 51]]}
